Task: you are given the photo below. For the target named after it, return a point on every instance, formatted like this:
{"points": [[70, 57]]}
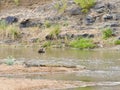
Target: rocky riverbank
{"points": [[42, 23]]}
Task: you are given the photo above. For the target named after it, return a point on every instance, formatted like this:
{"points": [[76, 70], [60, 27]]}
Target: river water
{"points": [[103, 66]]}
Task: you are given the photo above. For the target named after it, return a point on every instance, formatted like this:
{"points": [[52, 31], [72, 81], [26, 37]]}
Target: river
{"points": [[103, 66]]}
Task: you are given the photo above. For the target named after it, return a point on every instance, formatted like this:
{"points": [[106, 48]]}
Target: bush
{"points": [[83, 43], [107, 33], [10, 60], [117, 42], [85, 4]]}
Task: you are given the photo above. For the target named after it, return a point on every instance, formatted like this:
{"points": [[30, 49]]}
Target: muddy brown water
{"points": [[102, 65]]}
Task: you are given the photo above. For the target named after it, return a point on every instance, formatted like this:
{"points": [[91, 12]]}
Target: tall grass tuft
{"points": [[107, 33], [9, 31], [55, 31], [13, 32], [61, 6], [85, 4]]}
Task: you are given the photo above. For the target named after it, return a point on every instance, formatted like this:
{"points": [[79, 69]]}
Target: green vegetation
{"points": [[47, 24], [9, 31], [55, 31], [107, 33], [61, 6], [47, 44], [3, 25], [83, 43], [65, 23], [117, 42], [17, 2], [13, 32], [10, 60], [85, 4]]}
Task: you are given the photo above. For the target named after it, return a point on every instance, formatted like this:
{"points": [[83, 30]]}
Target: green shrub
{"points": [[85, 4], [83, 43], [107, 33], [10, 60], [117, 42]]}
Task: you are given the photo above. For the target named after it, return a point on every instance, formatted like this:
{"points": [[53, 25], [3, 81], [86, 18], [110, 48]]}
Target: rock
{"points": [[62, 36], [49, 37], [41, 50], [54, 18], [78, 35], [43, 63], [30, 23], [85, 35], [101, 10], [110, 6], [115, 24], [89, 20], [107, 17], [66, 35], [75, 11], [32, 64], [8, 41], [117, 16], [11, 19], [111, 24], [69, 36], [25, 23], [118, 38], [34, 40], [99, 6], [91, 36]]}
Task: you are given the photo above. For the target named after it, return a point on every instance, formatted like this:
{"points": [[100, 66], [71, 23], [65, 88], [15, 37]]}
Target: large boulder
{"points": [[30, 23], [11, 19]]}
